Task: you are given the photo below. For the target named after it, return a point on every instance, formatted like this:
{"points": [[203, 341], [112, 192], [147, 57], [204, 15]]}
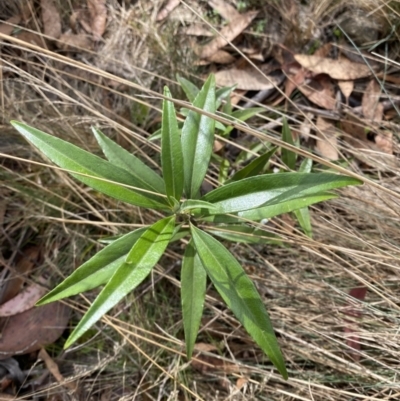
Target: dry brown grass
{"points": [[137, 351]]}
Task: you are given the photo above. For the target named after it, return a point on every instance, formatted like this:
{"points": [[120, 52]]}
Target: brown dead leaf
{"points": [[198, 30], [384, 142], [23, 301], [320, 91], [353, 340], [70, 41], [372, 109], [168, 8], [294, 80], [55, 371], [227, 11], [324, 50], [7, 27], [221, 57], [342, 69], [346, 87], [24, 263], [51, 19], [237, 96], [305, 126], [245, 79], [32, 38], [241, 382], [98, 14], [326, 144], [236, 26], [31, 330]]}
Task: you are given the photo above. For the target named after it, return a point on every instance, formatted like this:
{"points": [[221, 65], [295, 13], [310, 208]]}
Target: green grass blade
{"points": [[77, 160], [193, 292], [198, 139], [171, 150], [97, 270], [269, 189], [143, 176], [239, 293], [144, 254], [253, 168], [288, 157]]}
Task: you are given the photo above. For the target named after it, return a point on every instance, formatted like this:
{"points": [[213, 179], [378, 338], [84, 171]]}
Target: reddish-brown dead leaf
{"points": [[221, 57], [24, 263], [236, 26], [51, 19], [30, 330], [245, 79], [326, 144], [324, 50], [7, 27], [372, 109], [32, 37], [294, 80], [167, 9], [23, 301], [320, 91], [342, 69], [227, 11], [98, 14], [352, 339]]}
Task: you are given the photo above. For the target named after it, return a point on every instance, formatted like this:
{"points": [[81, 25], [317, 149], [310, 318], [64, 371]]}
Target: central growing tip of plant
{"points": [[251, 194]]}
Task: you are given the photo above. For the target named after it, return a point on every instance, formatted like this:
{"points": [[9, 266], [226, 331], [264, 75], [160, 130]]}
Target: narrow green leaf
{"points": [[171, 150], [198, 139], [253, 168], [190, 89], [144, 254], [269, 189], [79, 161], [222, 94], [223, 170], [239, 293], [267, 212], [143, 176], [303, 217], [244, 234], [303, 214], [193, 292], [288, 157], [242, 115], [191, 204], [97, 270]]}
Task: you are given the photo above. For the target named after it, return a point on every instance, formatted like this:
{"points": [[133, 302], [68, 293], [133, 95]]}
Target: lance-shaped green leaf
{"points": [[239, 293], [144, 254], [193, 292], [222, 94], [93, 168], [245, 234], [190, 89], [269, 189], [198, 139], [288, 157], [143, 176], [267, 212], [303, 214], [171, 150], [254, 167], [97, 270], [242, 115]]}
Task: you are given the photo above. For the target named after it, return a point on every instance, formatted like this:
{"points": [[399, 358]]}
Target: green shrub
{"points": [[185, 154]]}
